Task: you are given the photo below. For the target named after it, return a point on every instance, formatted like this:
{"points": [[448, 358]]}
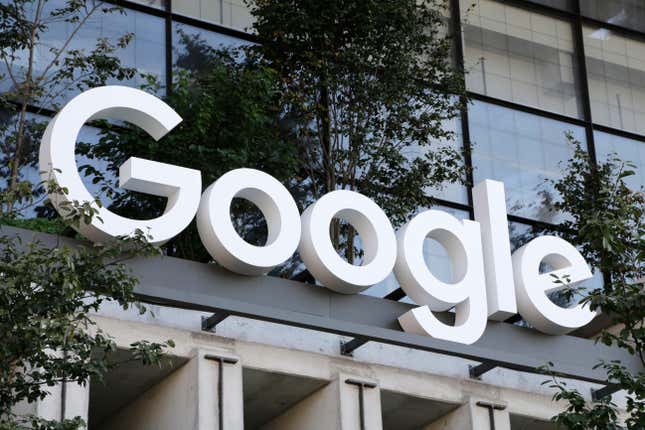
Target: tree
{"points": [[47, 295], [605, 221], [367, 87], [37, 73]]}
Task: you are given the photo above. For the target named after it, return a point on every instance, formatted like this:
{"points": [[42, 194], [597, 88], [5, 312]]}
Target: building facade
{"points": [[536, 70]]}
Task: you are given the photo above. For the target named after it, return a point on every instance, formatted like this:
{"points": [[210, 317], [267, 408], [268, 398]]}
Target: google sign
{"points": [[490, 282]]}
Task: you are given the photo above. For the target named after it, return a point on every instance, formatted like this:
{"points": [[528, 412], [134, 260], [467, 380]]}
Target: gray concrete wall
{"points": [[334, 403]]}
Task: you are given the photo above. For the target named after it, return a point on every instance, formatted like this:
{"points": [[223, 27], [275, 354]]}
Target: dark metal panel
{"points": [[207, 287]]}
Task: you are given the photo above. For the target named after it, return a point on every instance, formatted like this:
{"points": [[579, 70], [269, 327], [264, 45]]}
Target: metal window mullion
{"points": [[622, 31], [216, 28], [455, 16], [168, 19], [579, 51]]}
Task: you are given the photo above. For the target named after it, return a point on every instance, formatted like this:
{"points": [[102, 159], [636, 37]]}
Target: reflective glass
{"points": [[521, 56], [523, 151], [145, 52], [188, 43], [450, 191], [616, 75], [230, 13], [568, 5], [627, 150], [30, 170], [625, 13], [158, 4]]}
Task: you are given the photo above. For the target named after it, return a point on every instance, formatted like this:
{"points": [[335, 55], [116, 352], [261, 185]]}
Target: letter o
{"points": [[376, 233], [219, 236]]}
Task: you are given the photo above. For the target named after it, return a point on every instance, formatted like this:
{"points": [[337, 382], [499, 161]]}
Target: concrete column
{"points": [[350, 403], [68, 400], [65, 400], [232, 399], [481, 415], [470, 416], [336, 406], [188, 398]]}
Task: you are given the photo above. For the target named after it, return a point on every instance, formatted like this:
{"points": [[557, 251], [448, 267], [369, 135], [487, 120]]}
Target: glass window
{"points": [[568, 5], [436, 258], [625, 13], [189, 44], [453, 192], [616, 75], [30, 170], [520, 56], [158, 4], [627, 149], [523, 151], [230, 13], [146, 51]]}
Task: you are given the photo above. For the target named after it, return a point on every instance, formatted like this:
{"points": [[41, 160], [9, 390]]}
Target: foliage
{"points": [[605, 221], [47, 296], [37, 73], [48, 291], [368, 87]]}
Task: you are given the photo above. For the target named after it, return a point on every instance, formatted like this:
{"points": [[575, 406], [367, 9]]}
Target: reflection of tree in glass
{"points": [[37, 72]]}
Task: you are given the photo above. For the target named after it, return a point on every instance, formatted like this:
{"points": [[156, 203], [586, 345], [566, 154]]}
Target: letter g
{"points": [[180, 185]]}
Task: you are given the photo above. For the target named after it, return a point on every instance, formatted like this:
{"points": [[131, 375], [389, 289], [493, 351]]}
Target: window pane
{"points": [[523, 151], [626, 13], [520, 56], [568, 5], [616, 69], [627, 149], [145, 52], [30, 171], [159, 4], [188, 45], [453, 192], [230, 13]]}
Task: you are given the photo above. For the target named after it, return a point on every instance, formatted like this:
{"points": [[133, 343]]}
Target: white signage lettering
{"points": [[467, 292], [374, 229], [486, 281], [181, 186], [489, 203], [219, 236]]}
